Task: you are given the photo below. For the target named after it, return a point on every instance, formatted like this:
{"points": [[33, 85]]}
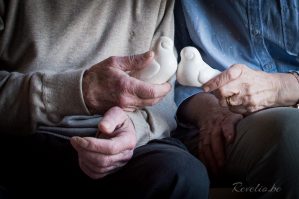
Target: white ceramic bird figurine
{"points": [[163, 66], [192, 70]]}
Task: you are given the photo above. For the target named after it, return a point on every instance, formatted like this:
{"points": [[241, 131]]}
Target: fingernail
{"points": [[206, 88]]}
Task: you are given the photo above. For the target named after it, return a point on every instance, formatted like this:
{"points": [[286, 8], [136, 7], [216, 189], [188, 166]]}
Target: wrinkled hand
{"points": [[99, 157], [248, 90], [217, 129], [108, 84]]}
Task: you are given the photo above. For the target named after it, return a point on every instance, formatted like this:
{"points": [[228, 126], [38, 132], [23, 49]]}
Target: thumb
{"points": [[114, 118], [135, 62]]}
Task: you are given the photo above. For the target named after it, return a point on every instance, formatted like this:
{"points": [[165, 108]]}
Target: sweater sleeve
{"points": [[35, 98], [158, 121]]}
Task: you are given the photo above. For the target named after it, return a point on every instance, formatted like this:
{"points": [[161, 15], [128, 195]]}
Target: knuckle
{"points": [[152, 92], [113, 61], [133, 59], [238, 66], [123, 83], [221, 92], [131, 144], [123, 101], [230, 73]]}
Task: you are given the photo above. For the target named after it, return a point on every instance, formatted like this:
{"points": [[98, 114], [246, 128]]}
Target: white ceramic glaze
{"points": [[163, 66], [192, 70]]}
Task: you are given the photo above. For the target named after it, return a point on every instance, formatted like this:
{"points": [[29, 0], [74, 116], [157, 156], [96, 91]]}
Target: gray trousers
{"points": [[263, 161]]}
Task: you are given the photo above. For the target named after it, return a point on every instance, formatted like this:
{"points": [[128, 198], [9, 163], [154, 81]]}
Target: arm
{"points": [[29, 99]]}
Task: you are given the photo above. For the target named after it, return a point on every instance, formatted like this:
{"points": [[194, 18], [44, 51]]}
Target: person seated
{"points": [[247, 130], [73, 122]]}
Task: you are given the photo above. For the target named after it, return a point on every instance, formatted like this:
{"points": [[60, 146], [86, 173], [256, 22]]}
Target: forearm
{"points": [[27, 100]]}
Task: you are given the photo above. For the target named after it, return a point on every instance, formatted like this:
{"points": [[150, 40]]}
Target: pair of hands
{"points": [[249, 91], [108, 88]]}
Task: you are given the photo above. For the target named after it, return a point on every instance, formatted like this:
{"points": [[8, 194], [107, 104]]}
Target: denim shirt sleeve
{"points": [[290, 25]]}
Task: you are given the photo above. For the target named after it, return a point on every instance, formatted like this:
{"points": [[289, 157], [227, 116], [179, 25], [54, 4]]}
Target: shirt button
{"points": [[256, 32], [268, 67]]}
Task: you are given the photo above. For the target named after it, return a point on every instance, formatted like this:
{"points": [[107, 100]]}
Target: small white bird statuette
{"points": [[192, 70], [163, 66]]}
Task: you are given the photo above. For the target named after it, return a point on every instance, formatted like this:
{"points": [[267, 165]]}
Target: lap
{"points": [[265, 150], [31, 164]]}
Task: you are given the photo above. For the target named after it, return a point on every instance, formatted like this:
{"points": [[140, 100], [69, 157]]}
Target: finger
{"points": [[102, 160], [207, 152], [110, 146], [228, 127], [135, 62], [223, 78], [89, 172], [228, 130], [146, 90], [217, 146], [102, 170], [112, 119], [211, 162]]}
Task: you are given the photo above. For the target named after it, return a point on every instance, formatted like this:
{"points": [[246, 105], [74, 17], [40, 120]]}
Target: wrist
{"points": [[296, 76], [288, 92], [86, 88]]}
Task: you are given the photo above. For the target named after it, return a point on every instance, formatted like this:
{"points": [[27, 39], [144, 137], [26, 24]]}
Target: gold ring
{"points": [[227, 99]]}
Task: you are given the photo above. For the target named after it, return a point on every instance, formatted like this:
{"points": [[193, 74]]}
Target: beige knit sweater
{"points": [[45, 46]]}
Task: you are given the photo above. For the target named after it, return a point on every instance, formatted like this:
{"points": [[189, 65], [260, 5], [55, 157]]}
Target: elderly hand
{"points": [[216, 125], [216, 129], [99, 157], [108, 84], [245, 90]]}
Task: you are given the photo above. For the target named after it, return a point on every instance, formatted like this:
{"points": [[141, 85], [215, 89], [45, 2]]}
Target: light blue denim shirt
{"points": [[263, 34]]}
